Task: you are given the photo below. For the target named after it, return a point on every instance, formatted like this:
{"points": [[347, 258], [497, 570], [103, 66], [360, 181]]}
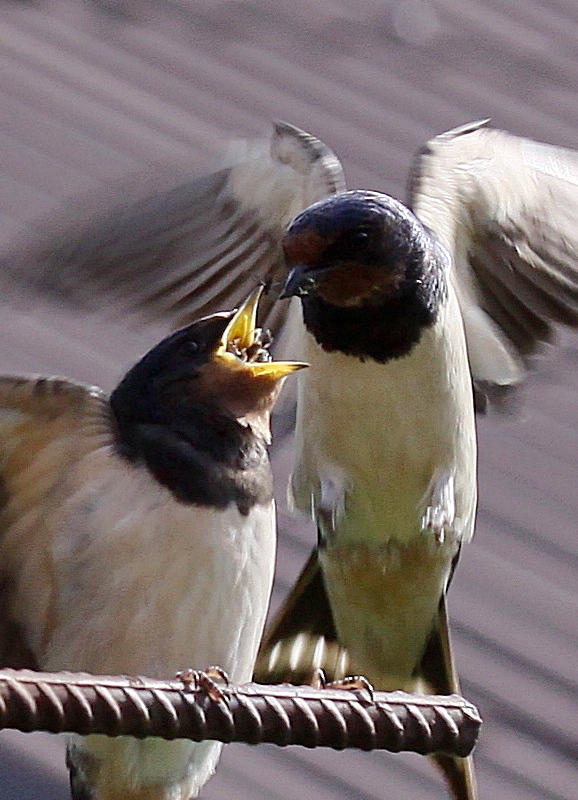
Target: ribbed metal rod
{"points": [[252, 713]]}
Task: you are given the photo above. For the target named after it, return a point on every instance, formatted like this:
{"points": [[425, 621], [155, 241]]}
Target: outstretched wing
{"points": [[46, 425], [190, 248], [506, 208]]}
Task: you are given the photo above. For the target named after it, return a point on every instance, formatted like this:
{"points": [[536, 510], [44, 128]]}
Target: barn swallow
{"points": [[138, 532], [385, 444], [472, 282]]}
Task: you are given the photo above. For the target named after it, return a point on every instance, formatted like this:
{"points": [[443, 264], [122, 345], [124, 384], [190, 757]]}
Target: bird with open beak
{"points": [[137, 532]]}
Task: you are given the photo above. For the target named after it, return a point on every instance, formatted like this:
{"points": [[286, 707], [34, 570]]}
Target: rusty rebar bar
{"points": [[252, 713]]}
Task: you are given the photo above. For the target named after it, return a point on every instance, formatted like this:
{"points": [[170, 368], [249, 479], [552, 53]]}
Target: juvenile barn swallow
{"points": [[138, 532], [395, 304]]}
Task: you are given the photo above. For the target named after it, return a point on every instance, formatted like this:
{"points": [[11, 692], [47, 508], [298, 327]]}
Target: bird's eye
{"points": [[191, 347], [358, 238]]}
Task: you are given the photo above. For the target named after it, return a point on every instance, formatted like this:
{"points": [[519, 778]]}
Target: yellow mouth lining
{"points": [[241, 328], [240, 334]]}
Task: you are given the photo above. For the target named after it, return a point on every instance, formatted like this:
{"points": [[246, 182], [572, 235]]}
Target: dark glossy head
{"points": [[369, 275], [195, 411], [219, 361]]}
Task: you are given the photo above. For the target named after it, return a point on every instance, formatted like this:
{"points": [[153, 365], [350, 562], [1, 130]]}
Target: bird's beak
{"points": [[240, 336], [300, 282]]}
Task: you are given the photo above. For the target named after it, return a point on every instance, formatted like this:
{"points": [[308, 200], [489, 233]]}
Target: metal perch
{"points": [[252, 713]]}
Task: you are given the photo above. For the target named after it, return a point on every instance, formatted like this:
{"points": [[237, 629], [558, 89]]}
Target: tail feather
{"points": [[437, 670], [302, 638]]}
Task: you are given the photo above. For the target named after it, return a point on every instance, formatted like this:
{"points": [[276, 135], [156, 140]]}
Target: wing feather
{"points": [[187, 249], [301, 638], [45, 425], [437, 670], [505, 207]]}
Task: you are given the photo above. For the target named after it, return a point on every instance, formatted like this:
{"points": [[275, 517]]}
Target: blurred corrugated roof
{"points": [[92, 91]]}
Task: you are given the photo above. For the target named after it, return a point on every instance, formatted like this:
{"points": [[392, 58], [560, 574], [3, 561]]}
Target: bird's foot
{"points": [[205, 679], [350, 683], [319, 679]]}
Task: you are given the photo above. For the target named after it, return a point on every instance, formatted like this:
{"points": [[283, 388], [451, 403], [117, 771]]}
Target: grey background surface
{"points": [[93, 91]]}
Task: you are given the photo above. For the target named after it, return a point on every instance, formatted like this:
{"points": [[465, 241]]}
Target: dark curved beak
{"points": [[300, 282]]}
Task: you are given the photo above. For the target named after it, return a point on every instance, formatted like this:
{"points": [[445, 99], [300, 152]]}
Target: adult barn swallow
{"points": [[386, 441], [138, 532], [385, 446]]}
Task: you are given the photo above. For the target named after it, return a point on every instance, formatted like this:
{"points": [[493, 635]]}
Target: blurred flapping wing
{"points": [[505, 207], [186, 249]]}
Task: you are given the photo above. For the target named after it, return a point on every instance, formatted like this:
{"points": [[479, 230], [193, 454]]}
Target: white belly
{"points": [[372, 437], [380, 449], [146, 585]]}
